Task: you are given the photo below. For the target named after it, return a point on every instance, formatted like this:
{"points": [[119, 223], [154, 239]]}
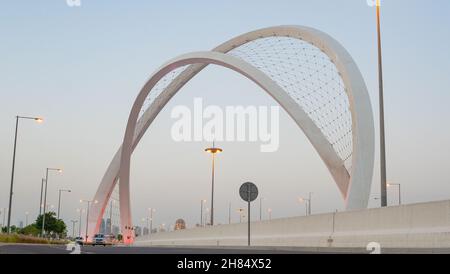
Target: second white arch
{"points": [[354, 187]]}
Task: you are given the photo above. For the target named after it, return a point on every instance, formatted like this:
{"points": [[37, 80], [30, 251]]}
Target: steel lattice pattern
{"points": [[161, 86], [309, 76]]}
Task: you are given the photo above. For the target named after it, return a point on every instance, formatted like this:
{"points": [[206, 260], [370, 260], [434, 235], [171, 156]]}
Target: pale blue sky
{"points": [[81, 69]]}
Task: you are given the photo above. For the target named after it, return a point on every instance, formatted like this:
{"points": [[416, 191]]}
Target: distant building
{"points": [[180, 224], [102, 227], [108, 226]]}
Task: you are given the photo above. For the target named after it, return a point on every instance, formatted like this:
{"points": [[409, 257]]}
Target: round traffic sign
{"points": [[248, 192]]}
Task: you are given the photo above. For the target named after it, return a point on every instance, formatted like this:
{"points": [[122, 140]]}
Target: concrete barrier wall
{"points": [[425, 225]]}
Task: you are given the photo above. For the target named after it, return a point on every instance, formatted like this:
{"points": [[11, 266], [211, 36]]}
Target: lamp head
{"points": [[214, 150]]}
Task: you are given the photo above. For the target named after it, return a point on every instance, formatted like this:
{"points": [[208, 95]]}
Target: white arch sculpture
{"points": [[354, 186]]}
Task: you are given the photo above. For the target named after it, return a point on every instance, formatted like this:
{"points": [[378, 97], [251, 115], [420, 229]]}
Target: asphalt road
{"points": [[57, 249]]}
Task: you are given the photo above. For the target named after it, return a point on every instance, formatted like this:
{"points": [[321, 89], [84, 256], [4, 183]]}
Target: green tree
{"points": [[30, 230], [13, 229], [52, 224]]}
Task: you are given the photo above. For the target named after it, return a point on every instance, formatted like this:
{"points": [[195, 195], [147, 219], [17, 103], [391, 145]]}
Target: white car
{"points": [[99, 239]]}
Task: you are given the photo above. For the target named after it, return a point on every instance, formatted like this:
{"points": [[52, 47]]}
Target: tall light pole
{"points": [[260, 209], [148, 224], [79, 222], [151, 210], [383, 195], [399, 192], [213, 150], [307, 205], [87, 216], [45, 195], [201, 211], [4, 210], [310, 201], [59, 198], [42, 193], [39, 120], [206, 215], [73, 227], [303, 200]]}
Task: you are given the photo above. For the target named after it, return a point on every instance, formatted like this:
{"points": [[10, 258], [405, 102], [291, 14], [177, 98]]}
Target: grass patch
{"points": [[17, 238]]}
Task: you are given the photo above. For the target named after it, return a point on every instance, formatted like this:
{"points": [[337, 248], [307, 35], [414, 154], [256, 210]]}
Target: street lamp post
{"points": [[260, 209], [73, 227], [42, 193], [59, 199], [213, 150], [399, 192], [301, 200], [39, 120], [151, 210], [4, 210], [45, 195], [79, 222], [201, 211], [307, 204], [206, 216], [383, 195], [310, 201], [148, 224], [87, 216]]}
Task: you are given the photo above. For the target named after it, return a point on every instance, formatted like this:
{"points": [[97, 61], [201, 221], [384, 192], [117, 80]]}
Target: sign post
{"points": [[248, 192]]}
